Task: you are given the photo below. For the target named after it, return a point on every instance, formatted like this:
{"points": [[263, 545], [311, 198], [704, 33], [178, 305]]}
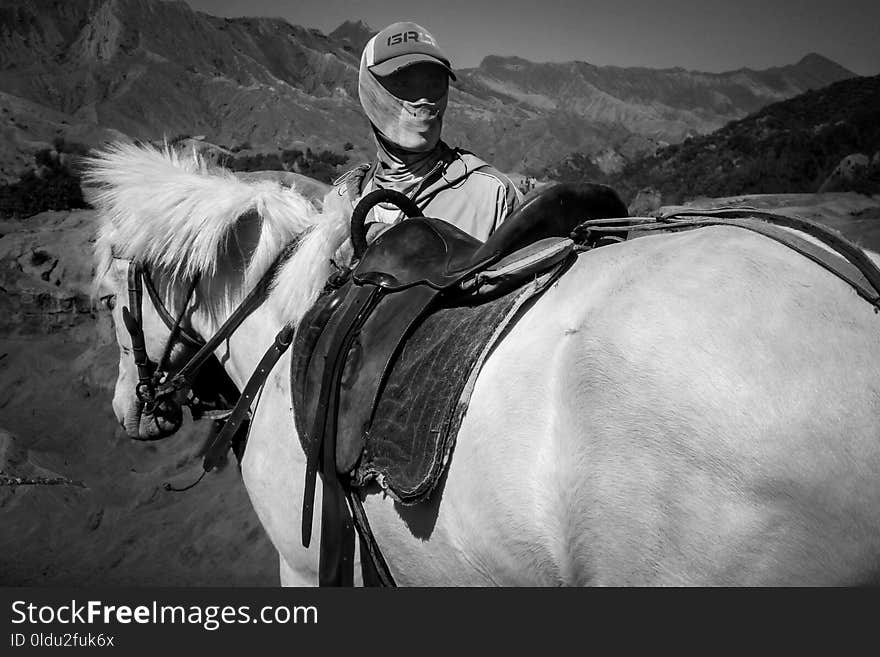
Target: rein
{"points": [[150, 373], [155, 384], [175, 325]]}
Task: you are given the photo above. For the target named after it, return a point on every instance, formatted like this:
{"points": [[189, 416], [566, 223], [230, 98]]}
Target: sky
{"points": [[702, 35]]}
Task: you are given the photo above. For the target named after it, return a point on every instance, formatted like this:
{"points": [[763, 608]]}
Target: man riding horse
{"points": [[403, 83]]}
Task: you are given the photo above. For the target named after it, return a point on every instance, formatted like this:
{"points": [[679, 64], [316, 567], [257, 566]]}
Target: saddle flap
{"points": [[517, 268], [367, 365], [362, 364], [421, 250]]}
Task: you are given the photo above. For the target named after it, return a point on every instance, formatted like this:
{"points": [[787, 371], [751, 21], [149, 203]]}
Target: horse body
{"points": [[692, 409], [695, 408]]}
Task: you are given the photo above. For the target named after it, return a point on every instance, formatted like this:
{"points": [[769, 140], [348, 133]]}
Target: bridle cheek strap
{"points": [[133, 320]]}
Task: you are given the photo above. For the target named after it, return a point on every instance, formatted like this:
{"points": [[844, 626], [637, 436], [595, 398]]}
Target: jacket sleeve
{"points": [[507, 199], [345, 192], [512, 197]]}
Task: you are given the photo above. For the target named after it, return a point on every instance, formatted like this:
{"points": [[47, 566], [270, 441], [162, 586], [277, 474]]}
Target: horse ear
{"points": [[243, 240]]}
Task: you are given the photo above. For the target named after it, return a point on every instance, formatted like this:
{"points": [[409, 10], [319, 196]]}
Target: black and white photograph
{"points": [[362, 293]]}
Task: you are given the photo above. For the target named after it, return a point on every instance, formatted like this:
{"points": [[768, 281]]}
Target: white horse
{"points": [[699, 408]]}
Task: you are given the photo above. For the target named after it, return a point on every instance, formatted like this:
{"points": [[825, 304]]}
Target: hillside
{"points": [[151, 69], [57, 371], [106, 518], [617, 113], [788, 147], [87, 70]]}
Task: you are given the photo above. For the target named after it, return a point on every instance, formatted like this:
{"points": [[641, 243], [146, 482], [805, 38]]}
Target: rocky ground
{"points": [[83, 505], [80, 503]]}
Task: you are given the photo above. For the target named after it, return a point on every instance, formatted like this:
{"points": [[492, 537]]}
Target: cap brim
{"points": [[396, 63]]}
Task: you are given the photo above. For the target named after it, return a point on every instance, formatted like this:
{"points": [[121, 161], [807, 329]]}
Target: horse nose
{"points": [[119, 412]]}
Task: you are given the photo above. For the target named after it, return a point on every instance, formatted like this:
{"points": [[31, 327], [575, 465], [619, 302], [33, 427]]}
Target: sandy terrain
{"points": [[113, 524]]}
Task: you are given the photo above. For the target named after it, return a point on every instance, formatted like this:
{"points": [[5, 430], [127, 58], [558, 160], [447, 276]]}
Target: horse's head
{"points": [[179, 246], [153, 325]]}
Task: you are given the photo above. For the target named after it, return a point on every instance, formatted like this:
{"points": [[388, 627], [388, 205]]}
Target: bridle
{"points": [[151, 375], [158, 387]]}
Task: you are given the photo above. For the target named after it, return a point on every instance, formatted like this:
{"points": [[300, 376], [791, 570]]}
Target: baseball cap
{"points": [[403, 44]]}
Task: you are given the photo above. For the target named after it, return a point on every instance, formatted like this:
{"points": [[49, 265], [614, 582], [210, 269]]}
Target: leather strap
{"points": [[373, 565], [133, 320], [336, 560], [186, 375], [358, 309], [833, 263], [173, 324], [254, 298], [222, 441], [851, 251], [847, 261]]}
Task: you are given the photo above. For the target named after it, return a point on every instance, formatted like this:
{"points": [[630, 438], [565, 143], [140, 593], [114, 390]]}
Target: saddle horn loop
{"points": [[358, 218]]}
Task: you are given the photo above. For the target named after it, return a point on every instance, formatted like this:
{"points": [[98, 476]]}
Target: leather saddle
{"points": [[346, 344], [433, 252]]}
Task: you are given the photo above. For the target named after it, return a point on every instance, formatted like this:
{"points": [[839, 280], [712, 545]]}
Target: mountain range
{"points": [[822, 140], [89, 70]]}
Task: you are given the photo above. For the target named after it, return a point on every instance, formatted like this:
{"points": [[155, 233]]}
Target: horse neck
{"points": [[242, 350], [299, 280]]}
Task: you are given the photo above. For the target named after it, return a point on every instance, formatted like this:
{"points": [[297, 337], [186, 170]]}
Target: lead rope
{"points": [[167, 486]]}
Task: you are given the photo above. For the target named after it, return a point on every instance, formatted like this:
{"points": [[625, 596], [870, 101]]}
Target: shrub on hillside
{"points": [[321, 165], [53, 183]]}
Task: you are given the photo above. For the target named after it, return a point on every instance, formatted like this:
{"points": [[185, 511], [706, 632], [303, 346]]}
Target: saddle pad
{"points": [[428, 390]]}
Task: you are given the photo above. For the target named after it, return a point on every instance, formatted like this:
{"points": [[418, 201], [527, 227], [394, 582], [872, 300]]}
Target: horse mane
{"points": [[174, 211]]}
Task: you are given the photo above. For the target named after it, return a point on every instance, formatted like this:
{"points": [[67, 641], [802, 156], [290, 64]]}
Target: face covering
{"points": [[407, 134]]}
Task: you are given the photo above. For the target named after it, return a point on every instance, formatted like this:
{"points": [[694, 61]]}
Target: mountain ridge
{"points": [[787, 147], [152, 68]]}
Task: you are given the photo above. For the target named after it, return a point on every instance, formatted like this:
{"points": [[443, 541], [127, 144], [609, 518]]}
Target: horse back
{"points": [[714, 405]]}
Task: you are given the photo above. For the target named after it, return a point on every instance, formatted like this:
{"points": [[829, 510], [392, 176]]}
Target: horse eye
{"points": [[109, 301]]}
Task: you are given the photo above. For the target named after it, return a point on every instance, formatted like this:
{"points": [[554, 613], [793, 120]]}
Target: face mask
{"points": [[411, 126]]}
